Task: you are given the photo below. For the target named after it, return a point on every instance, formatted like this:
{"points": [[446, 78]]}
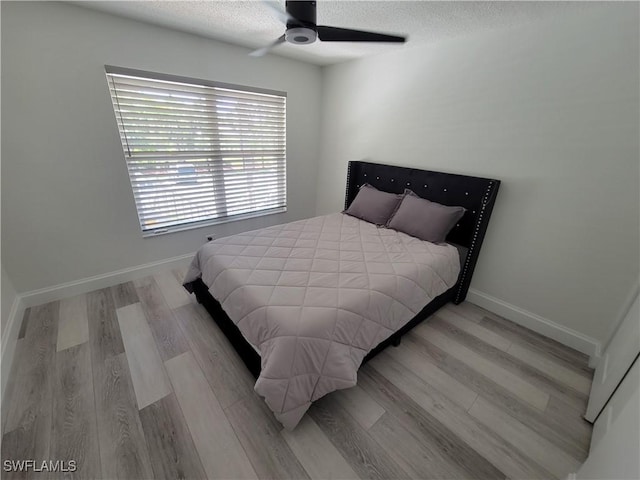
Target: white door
{"points": [[622, 350], [614, 454]]}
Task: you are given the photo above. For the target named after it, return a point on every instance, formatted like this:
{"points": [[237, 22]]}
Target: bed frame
{"points": [[476, 194]]}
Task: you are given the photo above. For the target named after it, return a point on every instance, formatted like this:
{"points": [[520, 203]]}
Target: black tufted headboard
{"points": [[476, 194]]}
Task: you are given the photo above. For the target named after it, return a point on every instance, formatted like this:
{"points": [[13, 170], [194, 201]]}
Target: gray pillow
{"points": [[424, 219], [373, 205]]}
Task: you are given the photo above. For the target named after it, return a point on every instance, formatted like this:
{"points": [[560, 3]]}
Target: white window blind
{"points": [[199, 152]]}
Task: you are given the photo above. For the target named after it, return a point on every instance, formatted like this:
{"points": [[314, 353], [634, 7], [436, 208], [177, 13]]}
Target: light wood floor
{"points": [[136, 381]]}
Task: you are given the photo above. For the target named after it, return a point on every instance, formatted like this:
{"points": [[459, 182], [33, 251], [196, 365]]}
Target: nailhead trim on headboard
{"points": [[346, 194], [463, 276]]}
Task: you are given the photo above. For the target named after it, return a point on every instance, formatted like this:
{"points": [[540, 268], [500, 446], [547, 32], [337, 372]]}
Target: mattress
{"points": [[316, 295]]}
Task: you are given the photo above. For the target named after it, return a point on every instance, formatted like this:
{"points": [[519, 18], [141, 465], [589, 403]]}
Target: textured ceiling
{"points": [[252, 24]]}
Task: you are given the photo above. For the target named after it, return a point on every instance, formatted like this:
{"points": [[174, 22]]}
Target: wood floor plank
{"points": [[11, 383], [468, 310], [33, 363], [25, 322], [448, 454], [27, 428], [124, 294], [528, 442], [489, 445], [19, 445], [73, 326], [179, 273], [150, 382], [475, 329], [524, 390], [430, 373], [571, 441], [173, 454], [104, 332], [173, 292], [259, 433], [30, 407], [359, 404], [123, 448], [414, 454], [515, 365], [74, 434], [222, 367], [524, 336], [577, 381], [363, 453], [220, 451], [316, 453], [166, 331], [571, 422]]}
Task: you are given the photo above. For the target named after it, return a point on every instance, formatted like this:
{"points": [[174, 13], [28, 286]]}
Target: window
{"points": [[199, 152]]}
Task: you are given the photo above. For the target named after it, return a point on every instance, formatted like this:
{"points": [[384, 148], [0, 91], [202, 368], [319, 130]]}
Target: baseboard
{"points": [[9, 341], [530, 320], [89, 284]]}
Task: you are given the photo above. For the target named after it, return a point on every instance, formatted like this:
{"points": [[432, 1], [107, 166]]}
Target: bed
{"points": [[306, 303]]}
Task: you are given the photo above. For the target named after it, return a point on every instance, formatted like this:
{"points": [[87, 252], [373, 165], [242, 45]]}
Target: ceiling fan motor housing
{"points": [[300, 35]]}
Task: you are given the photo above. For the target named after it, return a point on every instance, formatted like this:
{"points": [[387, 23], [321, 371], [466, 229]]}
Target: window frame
{"points": [[190, 81]]}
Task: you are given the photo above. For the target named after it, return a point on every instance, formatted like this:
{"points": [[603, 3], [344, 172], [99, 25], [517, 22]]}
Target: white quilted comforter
{"points": [[315, 296]]}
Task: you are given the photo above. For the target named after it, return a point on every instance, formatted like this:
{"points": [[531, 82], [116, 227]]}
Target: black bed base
{"points": [[251, 358]]}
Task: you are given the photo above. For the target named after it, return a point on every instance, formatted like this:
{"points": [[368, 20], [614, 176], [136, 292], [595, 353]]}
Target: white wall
{"points": [[67, 206], [552, 110]]}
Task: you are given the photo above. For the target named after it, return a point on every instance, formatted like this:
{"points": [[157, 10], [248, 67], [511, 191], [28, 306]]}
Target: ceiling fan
{"points": [[300, 19]]}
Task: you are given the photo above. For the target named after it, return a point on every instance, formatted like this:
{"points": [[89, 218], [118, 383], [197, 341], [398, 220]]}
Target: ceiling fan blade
{"points": [[280, 14], [264, 50], [335, 34]]}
